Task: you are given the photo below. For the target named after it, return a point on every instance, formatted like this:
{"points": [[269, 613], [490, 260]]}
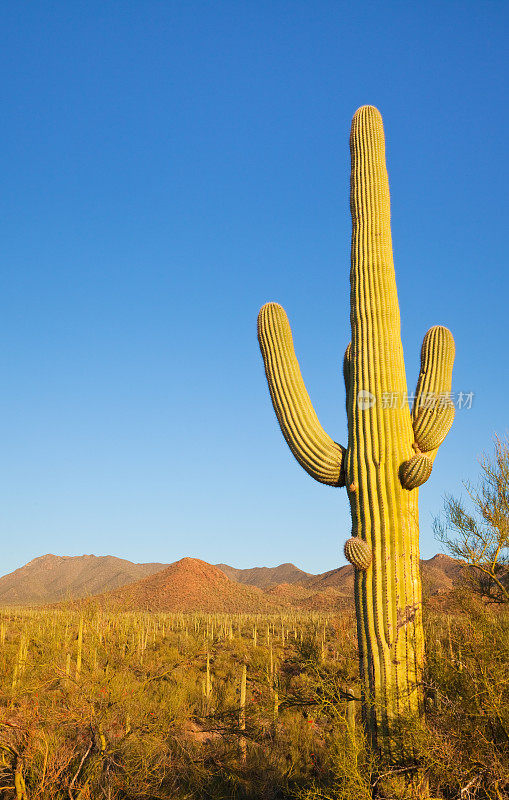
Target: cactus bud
{"points": [[415, 471], [358, 552]]}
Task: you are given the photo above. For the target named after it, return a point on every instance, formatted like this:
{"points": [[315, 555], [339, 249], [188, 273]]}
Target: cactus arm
{"points": [[313, 448], [437, 361], [433, 410]]}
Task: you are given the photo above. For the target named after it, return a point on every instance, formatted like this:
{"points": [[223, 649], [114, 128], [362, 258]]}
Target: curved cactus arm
{"points": [[433, 410], [313, 448], [435, 377]]}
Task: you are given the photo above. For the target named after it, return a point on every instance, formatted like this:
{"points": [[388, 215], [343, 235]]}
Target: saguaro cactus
{"points": [[390, 447]]}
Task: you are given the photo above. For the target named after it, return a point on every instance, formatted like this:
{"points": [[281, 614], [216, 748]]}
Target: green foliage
{"points": [[478, 535]]}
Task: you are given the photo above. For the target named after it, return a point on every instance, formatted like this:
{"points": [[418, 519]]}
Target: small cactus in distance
{"points": [[390, 449]]}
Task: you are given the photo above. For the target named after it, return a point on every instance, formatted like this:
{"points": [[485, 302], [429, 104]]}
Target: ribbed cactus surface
{"points": [[390, 448]]}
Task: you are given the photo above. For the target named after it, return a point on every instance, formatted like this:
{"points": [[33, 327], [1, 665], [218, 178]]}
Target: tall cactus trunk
{"points": [[390, 450], [384, 514]]}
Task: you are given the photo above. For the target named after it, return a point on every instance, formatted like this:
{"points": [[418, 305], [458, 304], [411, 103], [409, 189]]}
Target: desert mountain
{"points": [[50, 578], [194, 585], [190, 585], [340, 578], [296, 596], [440, 573], [265, 577]]}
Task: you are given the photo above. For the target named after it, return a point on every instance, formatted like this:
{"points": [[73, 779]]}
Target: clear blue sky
{"points": [[167, 167]]}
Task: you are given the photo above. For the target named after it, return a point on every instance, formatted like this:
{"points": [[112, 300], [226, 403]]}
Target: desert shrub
{"points": [[477, 532], [465, 746], [133, 721]]}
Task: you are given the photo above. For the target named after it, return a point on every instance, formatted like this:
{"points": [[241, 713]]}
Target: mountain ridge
{"points": [[265, 577], [49, 578]]}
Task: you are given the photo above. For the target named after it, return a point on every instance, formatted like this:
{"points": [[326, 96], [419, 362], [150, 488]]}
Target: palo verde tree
{"points": [[477, 534], [390, 449]]}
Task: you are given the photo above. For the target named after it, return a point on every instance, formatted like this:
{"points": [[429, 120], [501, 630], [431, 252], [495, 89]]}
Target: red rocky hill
{"points": [[190, 585]]}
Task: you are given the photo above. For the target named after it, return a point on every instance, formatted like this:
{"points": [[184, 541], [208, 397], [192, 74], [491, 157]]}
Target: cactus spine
{"points": [[390, 448]]}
